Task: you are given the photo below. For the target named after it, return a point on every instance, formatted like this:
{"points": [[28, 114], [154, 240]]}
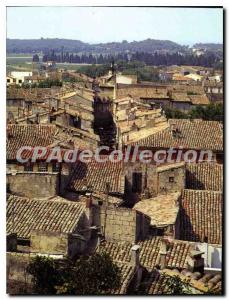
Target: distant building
{"points": [[17, 78]]}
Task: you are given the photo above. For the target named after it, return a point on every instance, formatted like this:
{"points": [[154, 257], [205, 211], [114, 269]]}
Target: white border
{"points": [[3, 4]]}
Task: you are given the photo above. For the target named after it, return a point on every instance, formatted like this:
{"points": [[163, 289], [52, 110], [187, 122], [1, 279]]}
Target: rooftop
{"points": [[193, 134], [176, 257], [204, 176], [201, 216], [97, 175], [54, 215], [162, 209], [20, 135]]}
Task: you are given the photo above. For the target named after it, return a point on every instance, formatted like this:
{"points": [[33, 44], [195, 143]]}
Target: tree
{"points": [[45, 275], [93, 275], [35, 58]]}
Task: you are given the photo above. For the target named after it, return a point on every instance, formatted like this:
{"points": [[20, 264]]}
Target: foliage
{"points": [[45, 275], [211, 112], [94, 70], [138, 68], [48, 83], [172, 113], [87, 276], [176, 286], [208, 59]]}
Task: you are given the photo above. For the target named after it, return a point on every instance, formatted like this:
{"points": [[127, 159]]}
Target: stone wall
{"points": [[154, 180], [33, 185], [49, 242], [171, 180], [16, 266], [123, 224], [62, 243]]}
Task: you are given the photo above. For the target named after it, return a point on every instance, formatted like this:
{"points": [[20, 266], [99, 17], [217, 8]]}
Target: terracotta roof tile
{"points": [[194, 134], [56, 215], [177, 252], [204, 176], [157, 283], [127, 273], [97, 174], [28, 135], [201, 216]]}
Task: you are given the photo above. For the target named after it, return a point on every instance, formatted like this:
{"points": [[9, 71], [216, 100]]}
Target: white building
{"points": [[16, 77]]}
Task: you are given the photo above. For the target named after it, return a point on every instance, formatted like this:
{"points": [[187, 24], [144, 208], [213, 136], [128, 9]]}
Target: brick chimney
{"points": [[135, 250], [162, 254], [196, 261]]}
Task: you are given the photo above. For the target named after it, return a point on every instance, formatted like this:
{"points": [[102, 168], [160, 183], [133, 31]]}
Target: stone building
{"points": [[163, 212], [149, 180], [49, 226]]}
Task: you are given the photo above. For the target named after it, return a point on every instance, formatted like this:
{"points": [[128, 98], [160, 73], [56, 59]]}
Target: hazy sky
{"points": [[106, 24]]}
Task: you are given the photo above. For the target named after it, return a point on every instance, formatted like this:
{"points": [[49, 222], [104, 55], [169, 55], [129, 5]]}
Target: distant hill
{"points": [[37, 45], [209, 46]]}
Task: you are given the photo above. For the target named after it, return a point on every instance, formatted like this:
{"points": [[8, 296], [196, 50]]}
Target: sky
{"points": [[185, 26]]}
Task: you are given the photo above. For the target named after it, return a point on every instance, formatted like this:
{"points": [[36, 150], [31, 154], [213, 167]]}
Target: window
{"points": [[55, 167], [42, 167], [171, 179], [28, 167], [137, 182], [20, 81], [8, 80]]}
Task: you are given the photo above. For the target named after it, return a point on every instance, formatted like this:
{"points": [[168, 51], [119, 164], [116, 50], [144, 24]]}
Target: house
{"points": [[48, 226], [149, 180], [17, 77], [187, 134], [39, 178], [163, 211], [166, 75], [195, 77]]}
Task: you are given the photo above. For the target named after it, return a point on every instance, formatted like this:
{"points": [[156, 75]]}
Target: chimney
{"points": [[89, 207], [196, 261], [135, 256], [162, 254]]}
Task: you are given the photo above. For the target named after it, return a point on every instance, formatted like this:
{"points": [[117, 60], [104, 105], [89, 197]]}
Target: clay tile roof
{"points": [[28, 135], [97, 174], [199, 99], [194, 134], [201, 216], [204, 176], [177, 252], [143, 92], [127, 274], [54, 215], [199, 283], [180, 97]]}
